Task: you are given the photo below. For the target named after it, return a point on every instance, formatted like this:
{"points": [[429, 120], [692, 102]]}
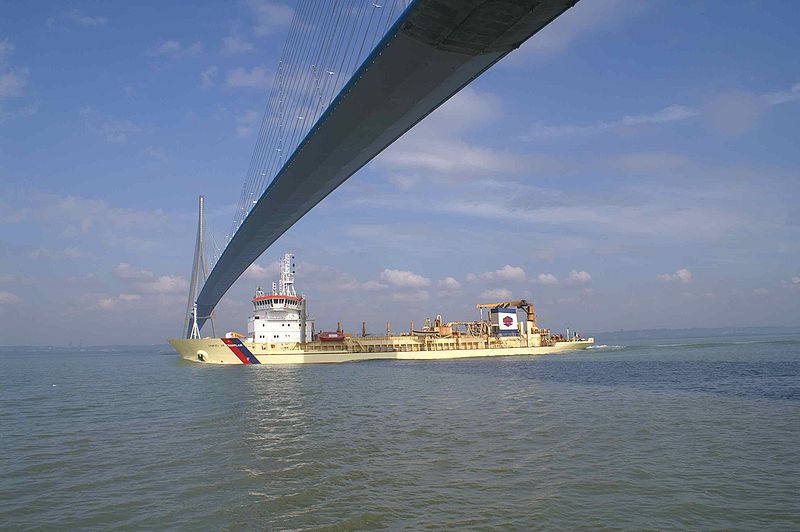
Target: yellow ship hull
{"points": [[232, 351]]}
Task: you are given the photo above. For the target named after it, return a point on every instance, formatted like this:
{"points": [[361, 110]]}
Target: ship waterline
{"points": [[217, 351]]}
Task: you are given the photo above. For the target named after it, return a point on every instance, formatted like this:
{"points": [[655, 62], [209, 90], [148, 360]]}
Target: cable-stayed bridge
{"points": [[353, 77]]}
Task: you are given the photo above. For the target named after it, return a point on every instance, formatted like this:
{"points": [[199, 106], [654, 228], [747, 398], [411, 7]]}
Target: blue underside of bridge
{"points": [[435, 49]]}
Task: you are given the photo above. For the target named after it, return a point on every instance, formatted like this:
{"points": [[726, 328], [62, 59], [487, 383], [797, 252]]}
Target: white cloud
{"points": [[411, 297], [578, 277], [436, 155], [328, 279], [793, 283], [157, 154], [6, 48], [547, 279], [430, 146], [506, 273], [403, 182], [7, 298], [146, 282], [111, 303], [398, 235], [499, 294], [165, 284], [234, 44], [85, 20], [20, 112], [69, 253], [176, 49], [682, 276], [730, 114], [13, 83], [733, 113], [468, 109], [270, 17], [585, 18], [737, 112], [631, 209], [373, 285], [672, 113], [207, 76], [449, 284], [402, 278], [168, 48], [73, 253], [653, 162], [784, 96], [257, 272], [126, 272], [256, 78], [94, 220], [113, 130], [247, 122]]}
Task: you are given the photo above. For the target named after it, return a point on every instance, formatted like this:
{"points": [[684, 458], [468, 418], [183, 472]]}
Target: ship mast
{"points": [[286, 283], [195, 334]]}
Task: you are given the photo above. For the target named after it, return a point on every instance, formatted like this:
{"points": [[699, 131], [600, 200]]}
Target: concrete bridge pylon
{"points": [[199, 275]]}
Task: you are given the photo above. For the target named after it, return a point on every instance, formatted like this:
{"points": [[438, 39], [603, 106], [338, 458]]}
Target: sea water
{"points": [[644, 431]]}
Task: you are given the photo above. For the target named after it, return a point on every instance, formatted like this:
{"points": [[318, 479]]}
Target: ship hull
{"points": [[226, 351]]}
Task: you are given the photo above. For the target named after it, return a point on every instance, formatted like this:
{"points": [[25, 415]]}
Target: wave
{"points": [[606, 347]]}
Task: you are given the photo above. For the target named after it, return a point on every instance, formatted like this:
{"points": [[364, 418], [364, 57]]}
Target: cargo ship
{"points": [[279, 331]]}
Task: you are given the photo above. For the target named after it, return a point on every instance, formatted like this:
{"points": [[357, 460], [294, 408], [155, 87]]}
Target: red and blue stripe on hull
{"points": [[241, 352]]}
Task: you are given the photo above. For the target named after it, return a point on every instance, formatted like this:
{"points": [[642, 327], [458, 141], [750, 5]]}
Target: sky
{"points": [[634, 165]]}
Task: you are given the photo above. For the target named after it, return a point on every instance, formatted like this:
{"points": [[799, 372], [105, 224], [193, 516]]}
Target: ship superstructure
{"points": [[280, 316]]}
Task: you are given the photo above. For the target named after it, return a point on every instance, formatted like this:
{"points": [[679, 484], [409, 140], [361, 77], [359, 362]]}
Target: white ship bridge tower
{"points": [[279, 317]]}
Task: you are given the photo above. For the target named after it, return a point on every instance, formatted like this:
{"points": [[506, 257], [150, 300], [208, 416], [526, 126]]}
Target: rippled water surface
{"points": [[642, 433]]}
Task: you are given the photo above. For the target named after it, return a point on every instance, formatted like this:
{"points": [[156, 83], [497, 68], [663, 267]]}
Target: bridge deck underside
{"points": [[434, 50]]}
